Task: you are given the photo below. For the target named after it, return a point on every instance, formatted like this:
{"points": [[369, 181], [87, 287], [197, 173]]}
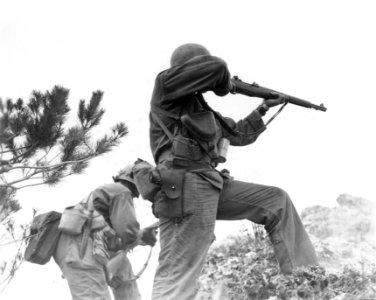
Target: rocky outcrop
{"points": [[345, 234], [245, 268]]}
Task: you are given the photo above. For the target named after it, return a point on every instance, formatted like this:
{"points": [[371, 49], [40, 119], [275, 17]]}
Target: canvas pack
{"points": [[44, 237]]}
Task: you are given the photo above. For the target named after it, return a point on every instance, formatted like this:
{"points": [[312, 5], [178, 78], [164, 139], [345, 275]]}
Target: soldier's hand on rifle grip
{"points": [[274, 102]]}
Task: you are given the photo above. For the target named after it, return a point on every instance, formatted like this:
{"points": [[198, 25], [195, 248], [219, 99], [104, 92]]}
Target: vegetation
{"points": [[247, 269], [245, 266], [37, 147]]}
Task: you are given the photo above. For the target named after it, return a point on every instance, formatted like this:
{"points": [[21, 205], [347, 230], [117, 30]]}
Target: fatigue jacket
{"points": [[114, 201], [175, 90]]}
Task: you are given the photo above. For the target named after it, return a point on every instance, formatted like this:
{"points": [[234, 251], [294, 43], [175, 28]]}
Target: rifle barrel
{"points": [[254, 90], [304, 103]]}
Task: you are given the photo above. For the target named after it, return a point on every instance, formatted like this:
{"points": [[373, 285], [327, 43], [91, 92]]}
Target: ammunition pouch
{"points": [[203, 128], [200, 125], [169, 201], [186, 148], [113, 242], [105, 242]]}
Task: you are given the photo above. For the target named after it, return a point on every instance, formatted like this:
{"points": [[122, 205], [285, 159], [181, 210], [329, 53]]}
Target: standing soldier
{"points": [[113, 227], [188, 139]]}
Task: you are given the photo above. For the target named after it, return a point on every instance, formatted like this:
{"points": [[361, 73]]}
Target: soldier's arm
{"points": [[123, 218], [249, 129], [200, 74]]}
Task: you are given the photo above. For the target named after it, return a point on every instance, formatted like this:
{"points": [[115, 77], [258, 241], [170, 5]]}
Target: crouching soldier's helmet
{"points": [[125, 174], [186, 52]]}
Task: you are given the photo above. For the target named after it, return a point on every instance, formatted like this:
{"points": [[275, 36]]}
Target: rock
{"points": [[344, 234], [359, 203]]}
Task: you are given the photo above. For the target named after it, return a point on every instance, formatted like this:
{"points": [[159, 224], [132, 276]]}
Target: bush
{"points": [[246, 268]]}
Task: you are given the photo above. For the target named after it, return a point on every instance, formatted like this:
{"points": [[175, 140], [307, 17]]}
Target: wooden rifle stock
{"points": [[254, 90]]}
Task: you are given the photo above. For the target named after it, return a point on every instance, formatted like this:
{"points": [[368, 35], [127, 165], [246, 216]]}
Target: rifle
{"points": [[255, 90]]}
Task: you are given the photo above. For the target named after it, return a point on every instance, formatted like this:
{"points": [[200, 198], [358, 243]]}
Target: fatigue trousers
{"points": [[184, 245], [86, 277]]}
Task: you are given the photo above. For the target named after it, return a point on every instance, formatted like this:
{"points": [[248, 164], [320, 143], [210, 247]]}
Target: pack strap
{"points": [[87, 226]]}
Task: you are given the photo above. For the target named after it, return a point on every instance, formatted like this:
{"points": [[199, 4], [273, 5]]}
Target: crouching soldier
{"points": [[93, 232]]}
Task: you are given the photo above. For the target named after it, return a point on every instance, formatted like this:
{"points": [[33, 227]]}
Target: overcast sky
{"points": [[321, 51]]}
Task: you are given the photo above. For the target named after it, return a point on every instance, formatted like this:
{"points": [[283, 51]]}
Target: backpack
{"points": [[44, 237]]}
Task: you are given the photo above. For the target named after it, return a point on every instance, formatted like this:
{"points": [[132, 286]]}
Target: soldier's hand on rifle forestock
{"points": [[274, 102], [149, 235]]}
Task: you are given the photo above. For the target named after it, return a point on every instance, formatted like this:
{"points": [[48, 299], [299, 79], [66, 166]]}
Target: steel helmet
{"points": [[125, 174], [185, 52]]}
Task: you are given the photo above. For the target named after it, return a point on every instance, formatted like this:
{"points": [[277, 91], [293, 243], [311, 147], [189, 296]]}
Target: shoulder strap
{"points": [[87, 227], [88, 202], [163, 126], [157, 109]]}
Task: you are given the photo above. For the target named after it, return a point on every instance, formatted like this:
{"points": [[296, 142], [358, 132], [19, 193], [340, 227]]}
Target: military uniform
{"points": [[86, 276], [206, 194]]}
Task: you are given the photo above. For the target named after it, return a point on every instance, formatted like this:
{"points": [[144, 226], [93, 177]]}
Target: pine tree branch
{"points": [[7, 151], [54, 166], [28, 177], [41, 183], [10, 184], [19, 239], [33, 178], [41, 158], [29, 185], [33, 147], [44, 169], [16, 264], [39, 125], [53, 158], [86, 143]]}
